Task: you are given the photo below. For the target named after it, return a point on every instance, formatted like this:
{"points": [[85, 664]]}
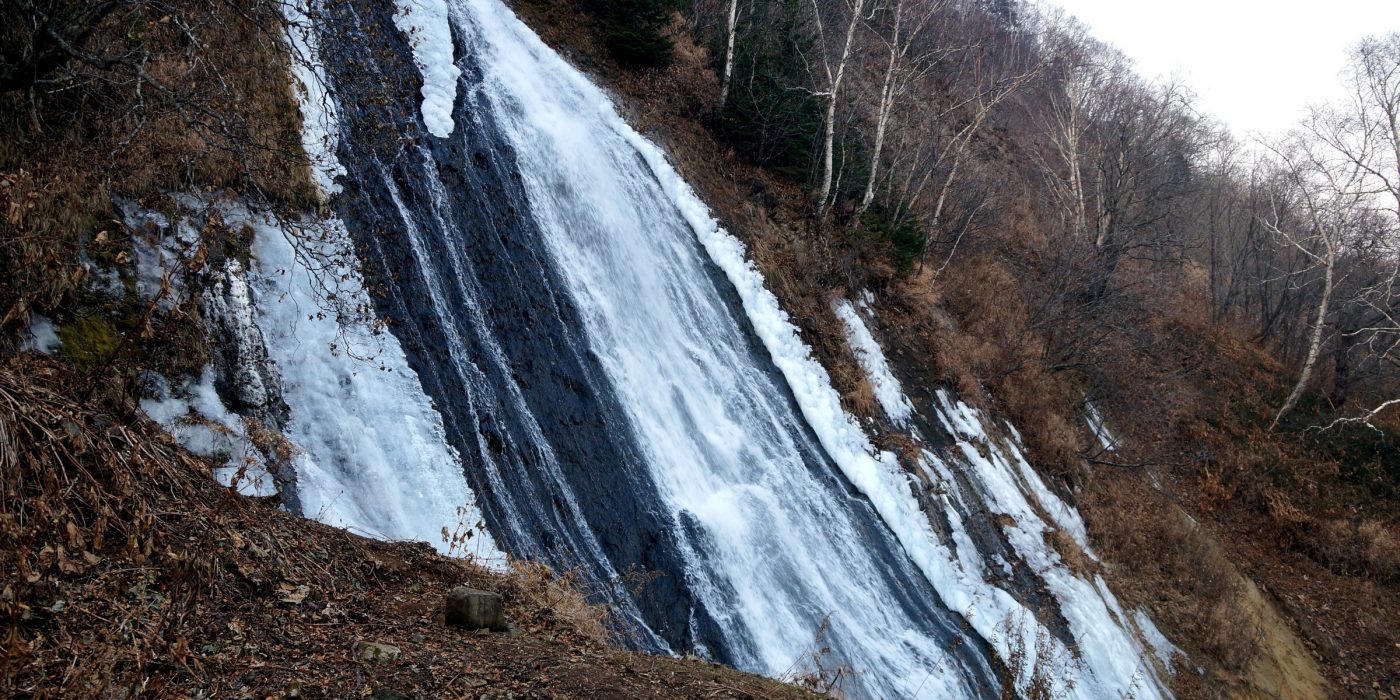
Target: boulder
{"points": [[472, 609], [375, 651]]}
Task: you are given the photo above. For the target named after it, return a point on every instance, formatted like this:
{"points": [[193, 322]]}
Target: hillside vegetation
{"points": [[129, 572]]}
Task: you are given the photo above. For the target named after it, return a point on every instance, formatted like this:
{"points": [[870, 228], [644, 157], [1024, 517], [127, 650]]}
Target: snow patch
{"points": [[1161, 646], [1112, 656], [40, 336], [319, 121], [373, 454], [1099, 428], [426, 23], [193, 413], [888, 392]]}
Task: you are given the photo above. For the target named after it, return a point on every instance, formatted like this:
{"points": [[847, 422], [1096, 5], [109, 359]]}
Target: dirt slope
{"points": [[128, 572]]}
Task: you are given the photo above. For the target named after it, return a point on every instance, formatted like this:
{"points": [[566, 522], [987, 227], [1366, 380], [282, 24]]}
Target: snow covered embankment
{"points": [[1117, 651]]}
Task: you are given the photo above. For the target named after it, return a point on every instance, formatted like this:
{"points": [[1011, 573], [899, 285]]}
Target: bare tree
{"points": [[731, 31], [1366, 130], [1346, 164], [834, 73], [1329, 194], [908, 20], [928, 184], [1079, 66]]}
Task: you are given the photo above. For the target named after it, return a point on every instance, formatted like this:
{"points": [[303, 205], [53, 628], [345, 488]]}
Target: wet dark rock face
{"points": [[462, 272], [497, 348]]}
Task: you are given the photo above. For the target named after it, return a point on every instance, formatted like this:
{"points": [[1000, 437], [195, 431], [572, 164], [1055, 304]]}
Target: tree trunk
{"points": [[882, 118], [1314, 345], [728, 55], [1341, 374], [829, 124]]}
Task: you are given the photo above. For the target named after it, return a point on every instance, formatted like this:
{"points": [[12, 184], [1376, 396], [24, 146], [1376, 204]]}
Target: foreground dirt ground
{"points": [[128, 572]]}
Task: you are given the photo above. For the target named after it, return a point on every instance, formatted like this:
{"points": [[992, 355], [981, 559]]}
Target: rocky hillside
{"points": [[1265, 549]]}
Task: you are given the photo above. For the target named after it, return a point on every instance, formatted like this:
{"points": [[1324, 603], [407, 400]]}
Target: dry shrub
{"points": [[220, 114], [975, 319], [860, 399], [815, 670], [1355, 548], [1162, 557], [1232, 630], [1047, 673], [1382, 550], [539, 597], [1072, 554]]}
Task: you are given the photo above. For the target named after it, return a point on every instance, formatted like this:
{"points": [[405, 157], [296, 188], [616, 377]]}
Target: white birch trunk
{"points": [[729, 54], [1315, 343], [882, 117], [829, 123]]}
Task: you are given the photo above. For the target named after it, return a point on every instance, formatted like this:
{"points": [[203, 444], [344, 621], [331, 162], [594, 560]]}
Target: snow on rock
{"points": [[429, 32], [319, 122], [373, 455], [160, 251], [888, 392], [244, 372], [1165, 650], [197, 417], [40, 336], [1099, 428], [1112, 655]]}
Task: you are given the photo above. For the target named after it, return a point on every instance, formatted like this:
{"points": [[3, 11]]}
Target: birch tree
{"points": [[903, 66], [1363, 133], [1145, 141], [1079, 65], [731, 32], [1368, 131], [1329, 193], [834, 73], [927, 183]]}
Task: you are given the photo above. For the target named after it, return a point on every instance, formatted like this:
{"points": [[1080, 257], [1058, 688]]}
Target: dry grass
{"points": [[1073, 556], [1161, 557], [1367, 548], [554, 600]]}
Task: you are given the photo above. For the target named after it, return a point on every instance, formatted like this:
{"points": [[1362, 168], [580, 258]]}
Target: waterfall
{"points": [[575, 335]]}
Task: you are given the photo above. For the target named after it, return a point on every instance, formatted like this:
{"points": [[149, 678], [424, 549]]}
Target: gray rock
{"points": [[472, 609], [376, 651]]}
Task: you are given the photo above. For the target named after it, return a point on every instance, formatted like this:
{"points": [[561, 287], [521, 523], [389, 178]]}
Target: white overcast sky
{"points": [[1253, 64]]}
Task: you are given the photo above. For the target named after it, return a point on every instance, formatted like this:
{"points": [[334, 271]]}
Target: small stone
{"points": [[472, 609], [375, 651], [292, 595]]}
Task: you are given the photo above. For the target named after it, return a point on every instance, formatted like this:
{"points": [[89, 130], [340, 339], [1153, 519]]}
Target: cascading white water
{"points": [[772, 545], [371, 454], [789, 522]]}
